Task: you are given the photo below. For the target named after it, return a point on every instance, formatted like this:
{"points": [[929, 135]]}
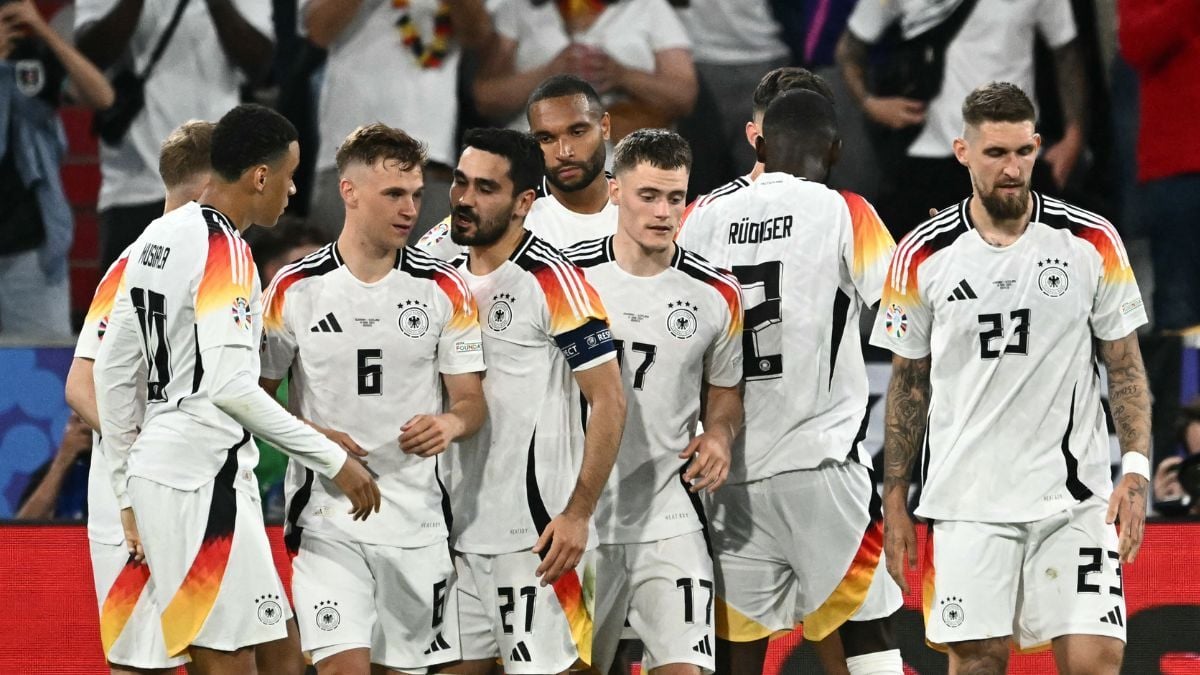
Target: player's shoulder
{"points": [[312, 266], [445, 275], [698, 269], [861, 209], [1086, 226], [590, 253], [932, 236], [730, 188], [534, 254]]}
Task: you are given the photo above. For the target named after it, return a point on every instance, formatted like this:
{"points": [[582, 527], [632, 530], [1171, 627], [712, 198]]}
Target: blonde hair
{"points": [[186, 153]]}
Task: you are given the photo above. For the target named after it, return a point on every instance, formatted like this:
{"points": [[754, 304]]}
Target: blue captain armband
{"points": [[587, 346]]}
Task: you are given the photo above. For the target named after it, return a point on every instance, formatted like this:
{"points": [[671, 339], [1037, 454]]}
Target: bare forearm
{"points": [[325, 20], [503, 95], [852, 57], [93, 88], [104, 41], [672, 94], [40, 505], [1128, 393], [605, 425], [249, 49], [470, 410], [472, 24], [724, 413], [905, 421], [1072, 86]]}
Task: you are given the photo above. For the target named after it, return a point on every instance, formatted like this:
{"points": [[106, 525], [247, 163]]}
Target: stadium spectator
{"points": [[636, 54], [57, 490], [734, 44], [1161, 40], [914, 102], [396, 62], [36, 226], [1170, 497], [217, 46]]}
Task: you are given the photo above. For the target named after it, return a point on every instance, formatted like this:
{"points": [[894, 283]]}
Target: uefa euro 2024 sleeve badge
{"points": [[895, 321]]}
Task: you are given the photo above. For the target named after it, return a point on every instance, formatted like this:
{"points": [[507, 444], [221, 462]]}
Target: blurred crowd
{"points": [[1114, 81]]}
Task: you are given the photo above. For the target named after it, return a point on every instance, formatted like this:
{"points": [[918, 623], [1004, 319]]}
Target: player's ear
{"points": [[835, 153], [346, 188], [260, 177], [960, 150], [524, 203], [605, 126], [614, 191], [752, 134]]}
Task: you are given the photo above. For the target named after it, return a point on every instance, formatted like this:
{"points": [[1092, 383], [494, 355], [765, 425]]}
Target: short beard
{"points": [[1004, 208], [487, 232], [590, 169]]}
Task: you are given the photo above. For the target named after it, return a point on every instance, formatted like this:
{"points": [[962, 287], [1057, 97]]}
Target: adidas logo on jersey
{"points": [[327, 325], [703, 647], [1114, 617], [520, 654], [439, 643], [962, 291]]}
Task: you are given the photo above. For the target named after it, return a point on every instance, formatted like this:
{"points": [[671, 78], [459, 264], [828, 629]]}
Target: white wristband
{"points": [[1135, 463]]}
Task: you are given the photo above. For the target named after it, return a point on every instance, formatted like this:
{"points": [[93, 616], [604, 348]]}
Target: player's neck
{"points": [[591, 199], [224, 198], [633, 259], [366, 261], [808, 168], [757, 171], [996, 231], [487, 259], [173, 202]]}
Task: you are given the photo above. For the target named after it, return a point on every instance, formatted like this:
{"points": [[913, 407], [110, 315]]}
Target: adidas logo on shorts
{"points": [[1114, 617], [703, 647], [439, 643], [520, 654]]}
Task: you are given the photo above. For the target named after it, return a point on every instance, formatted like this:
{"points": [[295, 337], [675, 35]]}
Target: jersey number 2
{"points": [[760, 318]]}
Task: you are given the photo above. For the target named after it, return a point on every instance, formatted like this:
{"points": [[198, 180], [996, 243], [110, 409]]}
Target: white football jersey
{"points": [[541, 321], [365, 358], [189, 285], [807, 258], [548, 220], [1016, 431], [674, 332], [104, 515]]}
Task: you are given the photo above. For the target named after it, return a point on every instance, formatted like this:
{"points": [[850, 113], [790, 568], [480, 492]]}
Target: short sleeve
{"points": [[668, 31], [224, 316], [868, 250], [723, 358], [279, 344], [99, 312], [460, 347], [1117, 309], [258, 14], [438, 243], [904, 321], [575, 318], [90, 11], [1056, 22], [871, 18]]}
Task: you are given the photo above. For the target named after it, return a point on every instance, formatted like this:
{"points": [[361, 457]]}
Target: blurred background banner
{"points": [[33, 415]]}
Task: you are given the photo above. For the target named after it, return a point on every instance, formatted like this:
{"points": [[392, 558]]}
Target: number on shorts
{"points": [[1096, 556], [689, 602], [509, 605], [439, 602]]}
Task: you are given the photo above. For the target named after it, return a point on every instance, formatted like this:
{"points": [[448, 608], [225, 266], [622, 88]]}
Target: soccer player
{"points": [[774, 83], [998, 311], [189, 308], [808, 258], [572, 205], [371, 330], [129, 628], [677, 324], [523, 490]]}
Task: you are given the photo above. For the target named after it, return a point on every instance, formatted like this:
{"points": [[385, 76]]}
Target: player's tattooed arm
{"points": [[906, 414], [905, 419], [1129, 400]]}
